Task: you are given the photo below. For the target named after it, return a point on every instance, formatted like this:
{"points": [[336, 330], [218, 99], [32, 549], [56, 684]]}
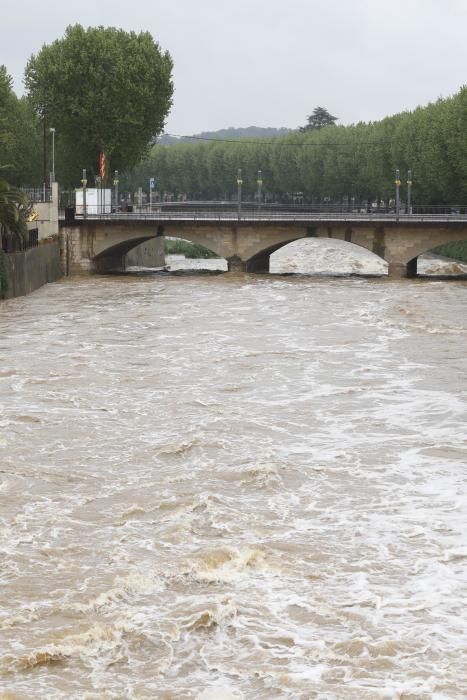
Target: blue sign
{"points": [[152, 183]]}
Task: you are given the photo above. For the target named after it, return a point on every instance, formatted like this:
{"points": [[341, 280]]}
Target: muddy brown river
{"points": [[234, 487]]}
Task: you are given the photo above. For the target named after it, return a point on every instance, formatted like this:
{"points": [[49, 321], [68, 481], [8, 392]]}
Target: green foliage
{"points": [[20, 141], [327, 164], [318, 119], [13, 210], [457, 250], [103, 89], [251, 132], [189, 250]]}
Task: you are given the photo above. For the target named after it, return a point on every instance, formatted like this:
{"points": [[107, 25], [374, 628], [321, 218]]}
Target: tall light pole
{"points": [[52, 174], [397, 182], [152, 184], [239, 192], [84, 182], [259, 182], [116, 181], [409, 192]]}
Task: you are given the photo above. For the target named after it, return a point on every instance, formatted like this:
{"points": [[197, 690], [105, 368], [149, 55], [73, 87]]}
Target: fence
{"points": [[37, 194], [12, 243]]}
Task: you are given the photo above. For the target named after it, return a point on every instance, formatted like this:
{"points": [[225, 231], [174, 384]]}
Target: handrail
{"points": [[267, 215]]}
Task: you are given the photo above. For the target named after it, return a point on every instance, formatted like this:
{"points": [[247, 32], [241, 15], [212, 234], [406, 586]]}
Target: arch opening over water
{"points": [[184, 254], [319, 256], [449, 260]]}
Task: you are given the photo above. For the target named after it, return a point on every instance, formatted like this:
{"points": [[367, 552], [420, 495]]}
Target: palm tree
{"points": [[12, 211]]}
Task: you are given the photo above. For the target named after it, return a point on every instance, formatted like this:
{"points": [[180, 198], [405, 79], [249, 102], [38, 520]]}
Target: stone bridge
{"points": [[100, 244]]}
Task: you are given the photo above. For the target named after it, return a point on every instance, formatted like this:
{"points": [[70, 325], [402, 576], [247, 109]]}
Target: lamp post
{"points": [[259, 182], [116, 189], [84, 182], [397, 182], [152, 184], [239, 192], [99, 193], [409, 192], [52, 174]]}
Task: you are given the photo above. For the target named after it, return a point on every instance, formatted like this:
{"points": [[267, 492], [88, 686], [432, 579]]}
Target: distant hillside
{"points": [[259, 132]]}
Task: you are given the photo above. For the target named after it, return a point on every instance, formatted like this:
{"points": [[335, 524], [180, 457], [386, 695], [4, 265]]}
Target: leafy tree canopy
{"points": [[104, 90], [318, 119], [20, 152]]}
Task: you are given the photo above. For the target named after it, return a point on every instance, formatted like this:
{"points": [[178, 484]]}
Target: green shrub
{"points": [[189, 250], [457, 250]]}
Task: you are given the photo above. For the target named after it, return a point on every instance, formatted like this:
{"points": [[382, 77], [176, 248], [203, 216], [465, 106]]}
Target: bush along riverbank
{"points": [[457, 251], [189, 250]]}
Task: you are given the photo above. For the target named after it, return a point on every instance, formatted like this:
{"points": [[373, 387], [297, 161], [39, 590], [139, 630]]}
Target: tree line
{"points": [[327, 162]]}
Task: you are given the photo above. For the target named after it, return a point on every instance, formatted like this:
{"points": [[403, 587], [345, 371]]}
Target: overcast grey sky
{"points": [[270, 62]]}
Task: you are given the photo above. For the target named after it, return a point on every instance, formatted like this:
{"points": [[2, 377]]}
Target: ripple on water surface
{"points": [[234, 487]]}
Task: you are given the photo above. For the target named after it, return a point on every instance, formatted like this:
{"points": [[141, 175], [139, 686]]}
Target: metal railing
{"points": [[37, 194], [220, 211], [12, 243]]}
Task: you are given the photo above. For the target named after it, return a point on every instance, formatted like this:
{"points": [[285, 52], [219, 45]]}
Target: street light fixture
{"points": [[239, 192], [52, 174], [259, 182], [409, 192], [397, 182], [116, 181]]}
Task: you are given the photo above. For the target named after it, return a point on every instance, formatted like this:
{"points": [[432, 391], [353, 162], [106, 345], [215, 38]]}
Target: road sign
{"points": [[152, 183]]}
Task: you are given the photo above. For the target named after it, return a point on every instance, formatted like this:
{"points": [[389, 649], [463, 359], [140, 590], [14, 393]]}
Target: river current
{"points": [[234, 486]]}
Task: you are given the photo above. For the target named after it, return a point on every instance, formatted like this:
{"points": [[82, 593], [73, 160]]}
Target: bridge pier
{"points": [[236, 264], [400, 271]]}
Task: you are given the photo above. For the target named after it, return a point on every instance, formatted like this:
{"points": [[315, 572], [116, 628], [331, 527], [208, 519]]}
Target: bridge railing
{"points": [[213, 211]]}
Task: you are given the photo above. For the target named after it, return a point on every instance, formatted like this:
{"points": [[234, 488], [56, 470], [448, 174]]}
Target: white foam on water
{"points": [[244, 485]]}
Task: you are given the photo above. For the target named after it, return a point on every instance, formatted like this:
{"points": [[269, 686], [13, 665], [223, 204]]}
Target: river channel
{"points": [[221, 487]]}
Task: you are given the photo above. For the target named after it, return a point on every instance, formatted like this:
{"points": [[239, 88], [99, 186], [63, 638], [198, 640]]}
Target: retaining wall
{"points": [[30, 269]]}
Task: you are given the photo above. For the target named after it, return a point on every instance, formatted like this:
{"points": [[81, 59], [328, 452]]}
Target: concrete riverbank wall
{"points": [[28, 270]]}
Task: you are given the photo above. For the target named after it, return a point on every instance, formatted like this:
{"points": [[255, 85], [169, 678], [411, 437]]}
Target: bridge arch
{"points": [[346, 253]]}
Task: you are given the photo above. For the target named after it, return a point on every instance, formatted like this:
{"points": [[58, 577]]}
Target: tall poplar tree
{"points": [[104, 90]]}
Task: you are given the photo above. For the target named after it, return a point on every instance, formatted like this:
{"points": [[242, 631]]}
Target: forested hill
{"points": [[230, 133]]}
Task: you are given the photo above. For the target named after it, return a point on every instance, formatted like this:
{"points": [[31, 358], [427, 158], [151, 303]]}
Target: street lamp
{"points": [[99, 179], [152, 184], [52, 174], [84, 182], [409, 192], [116, 181], [397, 182], [239, 191], [259, 182]]}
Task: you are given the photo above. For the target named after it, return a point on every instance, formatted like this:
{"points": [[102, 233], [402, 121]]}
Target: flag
{"points": [[102, 164]]}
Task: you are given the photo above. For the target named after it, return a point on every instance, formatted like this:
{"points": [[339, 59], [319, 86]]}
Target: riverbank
{"points": [[26, 271]]}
